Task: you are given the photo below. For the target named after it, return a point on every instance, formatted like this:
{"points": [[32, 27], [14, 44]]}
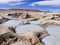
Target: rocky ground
{"points": [[32, 28]]}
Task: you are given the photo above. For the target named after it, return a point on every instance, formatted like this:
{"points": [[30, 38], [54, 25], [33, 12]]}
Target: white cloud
{"points": [[47, 2], [7, 1], [11, 2]]}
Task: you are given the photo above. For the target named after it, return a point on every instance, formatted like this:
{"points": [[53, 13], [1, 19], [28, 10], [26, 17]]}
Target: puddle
{"points": [[9, 17], [12, 23], [54, 30], [51, 40], [24, 28]]}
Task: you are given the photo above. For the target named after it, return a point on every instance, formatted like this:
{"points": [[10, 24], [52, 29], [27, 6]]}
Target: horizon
{"points": [[42, 5]]}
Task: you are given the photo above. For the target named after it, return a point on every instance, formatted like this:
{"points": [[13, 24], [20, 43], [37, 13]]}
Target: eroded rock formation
{"points": [[32, 37], [6, 33], [2, 20]]}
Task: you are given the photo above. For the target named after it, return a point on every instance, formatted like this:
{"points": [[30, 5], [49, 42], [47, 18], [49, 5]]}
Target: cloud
{"points": [[11, 2], [7, 1], [47, 2]]}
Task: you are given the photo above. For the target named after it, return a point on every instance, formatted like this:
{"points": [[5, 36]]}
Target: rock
{"points": [[19, 43], [4, 29], [7, 35], [18, 15], [27, 38], [23, 15], [32, 37], [32, 19], [57, 23], [44, 22], [2, 20], [35, 19], [25, 22], [52, 20], [7, 38], [15, 15]]}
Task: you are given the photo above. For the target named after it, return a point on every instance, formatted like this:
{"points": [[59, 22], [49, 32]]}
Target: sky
{"points": [[44, 5]]}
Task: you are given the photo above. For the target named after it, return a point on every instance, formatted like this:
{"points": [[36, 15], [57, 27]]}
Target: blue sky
{"points": [[44, 5]]}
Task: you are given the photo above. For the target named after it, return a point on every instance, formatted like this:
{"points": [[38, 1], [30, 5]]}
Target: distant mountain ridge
{"points": [[32, 10]]}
